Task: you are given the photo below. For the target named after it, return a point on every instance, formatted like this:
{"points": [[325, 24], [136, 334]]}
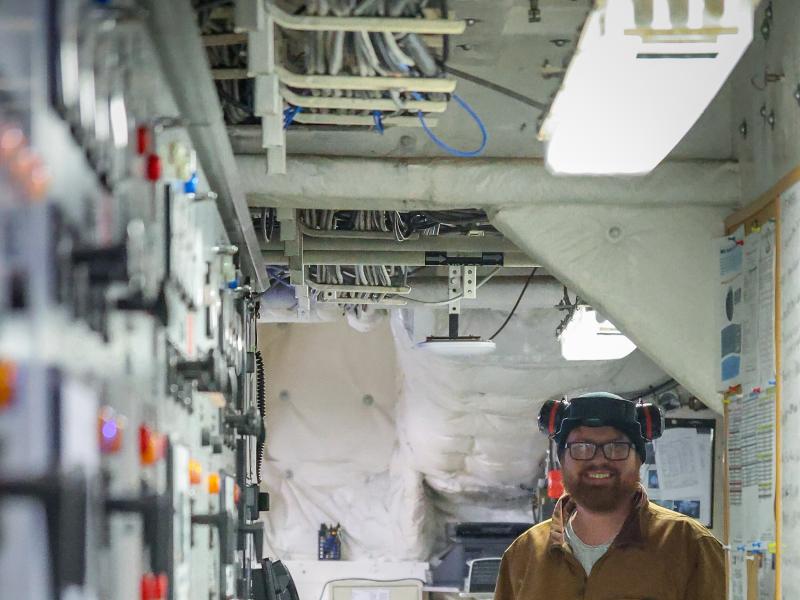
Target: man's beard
{"points": [[603, 498]]}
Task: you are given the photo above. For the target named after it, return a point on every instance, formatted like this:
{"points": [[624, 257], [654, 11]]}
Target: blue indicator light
{"points": [[109, 430]]}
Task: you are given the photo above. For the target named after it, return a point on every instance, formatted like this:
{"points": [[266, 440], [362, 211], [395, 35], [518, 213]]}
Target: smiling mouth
{"points": [[599, 476]]}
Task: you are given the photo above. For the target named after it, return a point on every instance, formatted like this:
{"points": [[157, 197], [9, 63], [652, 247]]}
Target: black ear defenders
{"points": [[638, 420]]}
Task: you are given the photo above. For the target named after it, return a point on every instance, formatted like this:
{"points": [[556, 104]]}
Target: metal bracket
{"points": [[357, 289], [766, 24], [470, 282], [440, 259], [534, 13], [303, 300], [249, 15], [292, 240], [268, 101], [288, 216], [455, 289], [293, 244], [335, 299]]}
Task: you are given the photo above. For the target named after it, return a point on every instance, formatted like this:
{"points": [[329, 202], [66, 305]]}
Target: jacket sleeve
{"points": [[708, 580], [504, 589]]}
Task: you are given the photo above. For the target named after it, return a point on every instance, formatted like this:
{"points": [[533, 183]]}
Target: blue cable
{"points": [[447, 147], [377, 117], [289, 113]]}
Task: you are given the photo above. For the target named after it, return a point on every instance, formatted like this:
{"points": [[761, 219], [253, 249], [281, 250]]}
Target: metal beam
{"points": [[394, 184], [439, 243], [180, 50], [386, 258]]}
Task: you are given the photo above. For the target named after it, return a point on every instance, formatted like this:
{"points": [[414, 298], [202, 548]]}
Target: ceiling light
{"points": [[636, 84], [460, 346], [457, 345], [589, 336]]}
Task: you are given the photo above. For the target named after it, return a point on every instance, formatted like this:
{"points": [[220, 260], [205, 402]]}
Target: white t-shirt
{"points": [[587, 555]]}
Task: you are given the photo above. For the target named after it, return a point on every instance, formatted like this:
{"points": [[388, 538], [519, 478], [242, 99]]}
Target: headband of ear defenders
{"points": [[640, 422]]}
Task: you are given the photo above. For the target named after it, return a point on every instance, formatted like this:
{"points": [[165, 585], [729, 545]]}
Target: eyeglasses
{"points": [[588, 450]]}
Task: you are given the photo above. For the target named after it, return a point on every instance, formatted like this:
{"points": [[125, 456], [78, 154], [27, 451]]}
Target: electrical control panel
{"points": [[131, 406]]}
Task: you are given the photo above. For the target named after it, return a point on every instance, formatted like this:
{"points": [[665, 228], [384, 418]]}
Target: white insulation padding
{"points": [[649, 269], [332, 452], [470, 423], [368, 431]]}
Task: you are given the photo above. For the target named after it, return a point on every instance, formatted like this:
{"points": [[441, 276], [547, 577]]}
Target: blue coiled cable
{"points": [[446, 147]]}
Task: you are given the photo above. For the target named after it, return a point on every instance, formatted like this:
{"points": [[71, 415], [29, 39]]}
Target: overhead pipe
{"points": [[441, 184]]}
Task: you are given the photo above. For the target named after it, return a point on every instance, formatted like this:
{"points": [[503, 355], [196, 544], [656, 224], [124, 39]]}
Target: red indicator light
{"points": [[154, 587], [143, 139], [153, 169], [151, 445]]}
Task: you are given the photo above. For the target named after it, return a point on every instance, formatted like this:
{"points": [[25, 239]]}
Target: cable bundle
{"points": [[368, 54], [236, 95], [261, 399], [385, 58], [359, 275]]}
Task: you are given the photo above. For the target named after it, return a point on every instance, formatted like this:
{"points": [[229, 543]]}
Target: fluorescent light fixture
{"points": [[638, 82], [589, 337], [457, 347]]}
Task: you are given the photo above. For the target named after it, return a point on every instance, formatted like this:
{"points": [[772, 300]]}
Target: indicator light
{"points": [[22, 164], [195, 472], [37, 182], [109, 429], [153, 169], [154, 587], [12, 140], [213, 483], [8, 383], [151, 446], [143, 139]]}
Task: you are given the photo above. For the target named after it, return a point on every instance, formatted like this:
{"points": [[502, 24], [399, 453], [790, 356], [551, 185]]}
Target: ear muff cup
{"points": [[551, 415], [651, 421]]}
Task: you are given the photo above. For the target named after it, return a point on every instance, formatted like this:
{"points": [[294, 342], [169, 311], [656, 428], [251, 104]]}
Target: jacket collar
{"points": [[630, 534]]}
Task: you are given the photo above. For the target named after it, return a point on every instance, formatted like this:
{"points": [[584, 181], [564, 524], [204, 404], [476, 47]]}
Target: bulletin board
{"points": [[763, 244], [678, 471]]}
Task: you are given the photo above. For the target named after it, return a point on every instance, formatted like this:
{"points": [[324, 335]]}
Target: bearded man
{"points": [[606, 540]]}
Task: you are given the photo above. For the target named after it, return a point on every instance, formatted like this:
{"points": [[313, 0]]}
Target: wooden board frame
{"points": [[766, 207]]}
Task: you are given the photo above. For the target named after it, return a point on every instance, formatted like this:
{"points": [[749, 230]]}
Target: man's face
{"points": [[599, 484]]}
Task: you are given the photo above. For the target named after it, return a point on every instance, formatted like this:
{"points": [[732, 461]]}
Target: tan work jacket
{"points": [[657, 555]]}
